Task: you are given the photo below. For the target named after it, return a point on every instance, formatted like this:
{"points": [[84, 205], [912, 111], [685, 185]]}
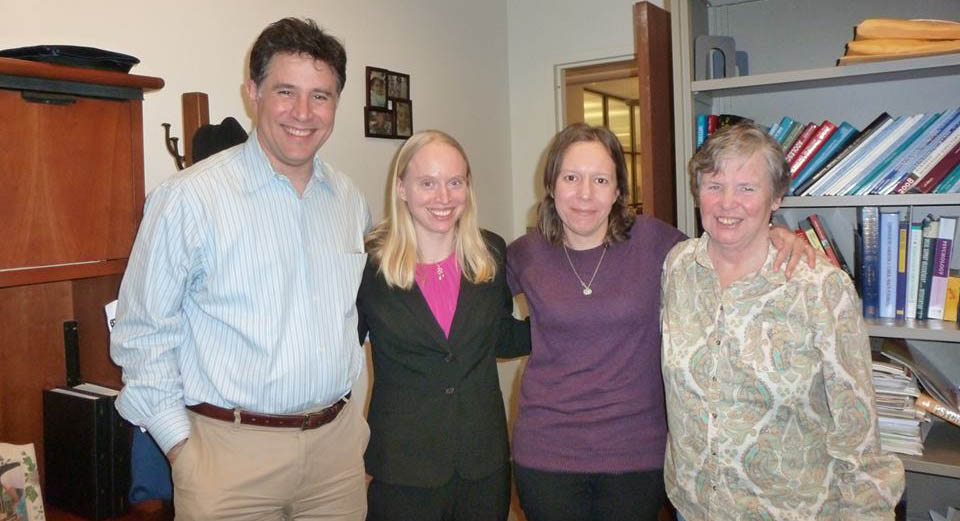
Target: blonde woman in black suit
{"points": [[436, 305]]}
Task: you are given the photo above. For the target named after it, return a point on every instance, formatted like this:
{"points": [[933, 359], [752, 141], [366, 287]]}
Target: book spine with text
{"points": [[823, 133], [869, 221], [943, 247], [887, 276], [903, 232], [933, 406], [931, 226], [805, 135], [822, 236], [826, 171], [913, 269]]}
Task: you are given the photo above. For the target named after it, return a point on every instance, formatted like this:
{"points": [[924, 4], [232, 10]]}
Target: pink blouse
{"points": [[440, 284]]}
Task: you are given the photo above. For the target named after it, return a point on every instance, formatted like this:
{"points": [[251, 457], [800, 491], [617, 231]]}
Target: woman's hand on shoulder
{"points": [[790, 248]]}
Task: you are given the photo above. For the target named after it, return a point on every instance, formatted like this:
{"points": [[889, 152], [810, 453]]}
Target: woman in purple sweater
{"points": [[590, 436]]}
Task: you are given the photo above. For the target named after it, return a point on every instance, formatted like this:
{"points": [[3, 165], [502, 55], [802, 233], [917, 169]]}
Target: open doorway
{"points": [[607, 95], [636, 92]]}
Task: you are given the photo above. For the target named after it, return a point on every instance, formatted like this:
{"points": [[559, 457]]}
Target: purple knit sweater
{"points": [[591, 397]]}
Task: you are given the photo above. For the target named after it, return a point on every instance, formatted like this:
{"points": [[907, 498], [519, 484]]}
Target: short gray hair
{"points": [[741, 140]]}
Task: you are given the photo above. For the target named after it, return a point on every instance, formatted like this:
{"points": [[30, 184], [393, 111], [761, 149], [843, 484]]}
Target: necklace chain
{"points": [[586, 285]]}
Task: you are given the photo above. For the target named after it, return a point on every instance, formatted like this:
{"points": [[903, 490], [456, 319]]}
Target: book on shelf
{"points": [[812, 237], [950, 184], [829, 244], [853, 144], [932, 375], [943, 247], [886, 168], [805, 136], [931, 228], [887, 274], [792, 134], [838, 140], [939, 171], [942, 148], [903, 230], [898, 419], [701, 129], [952, 301], [725, 120], [712, 124], [839, 173], [921, 148], [868, 233], [866, 167], [915, 241], [772, 130], [938, 408], [781, 129], [812, 146]]}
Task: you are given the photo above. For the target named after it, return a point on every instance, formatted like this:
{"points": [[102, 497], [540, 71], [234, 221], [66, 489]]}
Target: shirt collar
{"points": [[757, 282], [262, 171]]}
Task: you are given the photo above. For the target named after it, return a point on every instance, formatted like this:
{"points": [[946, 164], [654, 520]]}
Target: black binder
{"points": [[120, 442], [77, 437]]}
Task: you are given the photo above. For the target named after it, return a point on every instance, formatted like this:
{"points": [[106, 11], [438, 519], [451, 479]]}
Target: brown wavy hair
{"points": [[296, 36], [621, 216]]}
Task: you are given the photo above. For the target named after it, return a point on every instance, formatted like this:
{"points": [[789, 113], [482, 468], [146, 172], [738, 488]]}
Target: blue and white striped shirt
{"points": [[240, 293]]}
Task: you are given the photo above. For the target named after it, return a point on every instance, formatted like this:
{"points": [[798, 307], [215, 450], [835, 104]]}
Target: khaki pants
{"points": [[238, 472]]}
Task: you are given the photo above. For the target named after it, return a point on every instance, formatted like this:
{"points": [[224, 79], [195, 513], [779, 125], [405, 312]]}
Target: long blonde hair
{"points": [[393, 242]]}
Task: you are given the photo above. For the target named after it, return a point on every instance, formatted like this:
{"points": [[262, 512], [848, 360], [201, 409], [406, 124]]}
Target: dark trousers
{"points": [[485, 499], [563, 496]]}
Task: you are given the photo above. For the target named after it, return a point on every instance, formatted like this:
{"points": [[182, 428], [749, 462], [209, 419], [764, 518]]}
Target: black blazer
{"points": [[436, 405]]}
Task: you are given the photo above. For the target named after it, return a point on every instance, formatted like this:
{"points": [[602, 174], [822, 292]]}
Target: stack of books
{"points": [[904, 267], [707, 124], [898, 418], [919, 153], [938, 395], [814, 230]]}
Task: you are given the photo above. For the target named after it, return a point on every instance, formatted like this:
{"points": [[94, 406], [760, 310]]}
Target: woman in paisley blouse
{"points": [[770, 403]]}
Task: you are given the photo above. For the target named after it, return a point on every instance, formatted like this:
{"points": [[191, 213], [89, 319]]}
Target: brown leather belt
{"points": [[293, 421]]}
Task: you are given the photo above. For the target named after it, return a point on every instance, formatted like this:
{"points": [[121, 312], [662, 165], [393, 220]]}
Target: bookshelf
{"points": [[792, 46]]}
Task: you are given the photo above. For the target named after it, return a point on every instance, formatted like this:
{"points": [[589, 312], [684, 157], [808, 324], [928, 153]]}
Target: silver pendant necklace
{"points": [[586, 285]]}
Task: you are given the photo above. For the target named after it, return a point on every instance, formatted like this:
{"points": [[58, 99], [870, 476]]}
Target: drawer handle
{"points": [[48, 98]]}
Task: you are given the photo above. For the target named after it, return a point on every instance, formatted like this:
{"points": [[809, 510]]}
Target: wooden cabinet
{"points": [[71, 196], [792, 46]]}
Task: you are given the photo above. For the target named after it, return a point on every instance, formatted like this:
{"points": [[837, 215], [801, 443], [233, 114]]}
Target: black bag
{"points": [[74, 56]]}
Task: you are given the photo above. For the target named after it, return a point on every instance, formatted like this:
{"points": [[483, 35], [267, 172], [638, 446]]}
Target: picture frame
{"points": [[20, 496], [377, 80], [403, 118], [378, 122], [398, 86]]}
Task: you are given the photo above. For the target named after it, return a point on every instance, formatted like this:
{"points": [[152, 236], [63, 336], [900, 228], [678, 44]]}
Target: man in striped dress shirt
{"points": [[236, 327]]}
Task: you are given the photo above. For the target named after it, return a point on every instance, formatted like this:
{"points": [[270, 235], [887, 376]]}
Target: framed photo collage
{"points": [[389, 111]]}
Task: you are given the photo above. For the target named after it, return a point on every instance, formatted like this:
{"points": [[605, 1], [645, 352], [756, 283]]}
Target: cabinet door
{"points": [[68, 187]]}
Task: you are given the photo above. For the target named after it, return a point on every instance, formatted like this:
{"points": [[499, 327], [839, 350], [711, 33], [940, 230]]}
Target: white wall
{"points": [[544, 34], [455, 52]]}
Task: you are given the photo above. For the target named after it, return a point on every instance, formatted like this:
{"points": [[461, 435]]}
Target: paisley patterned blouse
{"points": [[769, 396]]}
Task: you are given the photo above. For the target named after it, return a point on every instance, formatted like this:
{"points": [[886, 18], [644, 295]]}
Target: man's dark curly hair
{"points": [[296, 36]]}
